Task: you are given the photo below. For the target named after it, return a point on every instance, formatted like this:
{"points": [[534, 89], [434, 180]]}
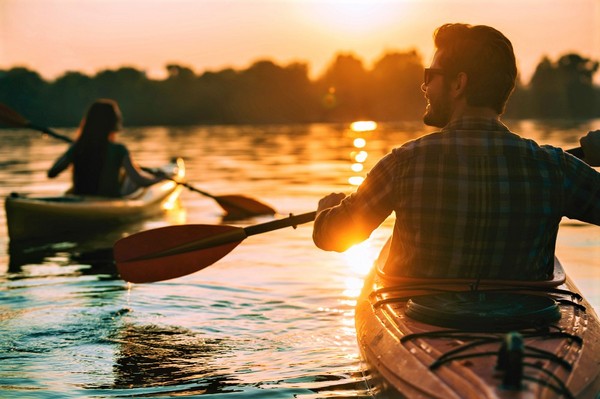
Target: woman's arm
{"points": [[60, 164], [136, 175]]}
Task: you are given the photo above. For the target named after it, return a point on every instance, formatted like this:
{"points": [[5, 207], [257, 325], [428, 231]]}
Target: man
{"points": [[472, 200]]}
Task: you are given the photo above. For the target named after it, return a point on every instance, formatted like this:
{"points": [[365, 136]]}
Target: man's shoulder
{"points": [[429, 139]]}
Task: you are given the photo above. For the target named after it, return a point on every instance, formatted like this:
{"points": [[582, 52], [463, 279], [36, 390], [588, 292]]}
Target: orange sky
{"points": [[53, 36]]}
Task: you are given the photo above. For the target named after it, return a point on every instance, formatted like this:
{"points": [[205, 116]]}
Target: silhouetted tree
{"points": [[24, 90], [269, 93], [179, 97], [547, 91], [564, 89], [395, 90], [577, 73], [215, 96], [266, 92], [69, 97], [128, 87], [344, 89]]}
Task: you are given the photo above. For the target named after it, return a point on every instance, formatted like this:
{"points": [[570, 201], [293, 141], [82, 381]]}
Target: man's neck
{"points": [[463, 110]]}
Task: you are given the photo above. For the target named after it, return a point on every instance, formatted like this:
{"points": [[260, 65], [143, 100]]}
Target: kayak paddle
{"points": [[236, 206], [174, 251], [12, 118]]}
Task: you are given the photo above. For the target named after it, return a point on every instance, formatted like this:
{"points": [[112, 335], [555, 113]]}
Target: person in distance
{"points": [[101, 166]]}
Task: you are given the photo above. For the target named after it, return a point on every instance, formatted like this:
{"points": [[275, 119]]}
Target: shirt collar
{"points": [[475, 123]]}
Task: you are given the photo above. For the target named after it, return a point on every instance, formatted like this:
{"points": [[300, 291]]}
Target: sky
{"points": [[55, 36]]}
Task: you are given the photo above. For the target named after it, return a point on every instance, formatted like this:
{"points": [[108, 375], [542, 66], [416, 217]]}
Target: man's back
{"points": [[478, 201]]}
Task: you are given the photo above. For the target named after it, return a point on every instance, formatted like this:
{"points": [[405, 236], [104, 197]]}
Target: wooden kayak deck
{"points": [[409, 358]]}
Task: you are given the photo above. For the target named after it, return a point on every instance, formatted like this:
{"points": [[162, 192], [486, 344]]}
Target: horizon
{"points": [[53, 37]]}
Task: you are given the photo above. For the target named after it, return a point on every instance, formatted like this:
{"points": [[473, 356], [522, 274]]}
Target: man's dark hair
{"points": [[487, 58]]}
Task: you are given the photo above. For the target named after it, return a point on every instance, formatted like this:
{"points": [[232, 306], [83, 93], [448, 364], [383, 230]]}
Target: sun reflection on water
{"points": [[359, 130], [359, 142], [356, 180], [360, 156], [363, 126], [359, 260], [357, 167]]}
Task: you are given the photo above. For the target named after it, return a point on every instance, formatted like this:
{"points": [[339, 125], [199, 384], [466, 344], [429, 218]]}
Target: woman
{"points": [[100, 165]]}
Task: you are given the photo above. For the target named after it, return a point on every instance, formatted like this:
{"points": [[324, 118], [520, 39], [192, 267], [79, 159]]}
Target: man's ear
{"points": [[458, 85]]}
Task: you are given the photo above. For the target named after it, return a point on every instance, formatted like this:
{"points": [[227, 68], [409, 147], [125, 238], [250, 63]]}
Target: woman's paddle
{"points": [[174, 251], [236, 206], [12, 118]]}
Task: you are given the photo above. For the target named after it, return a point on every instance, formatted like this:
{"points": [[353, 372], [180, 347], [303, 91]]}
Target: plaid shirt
{"points": [[473, 200]]}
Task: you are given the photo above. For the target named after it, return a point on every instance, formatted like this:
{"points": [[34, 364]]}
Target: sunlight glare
{"points": [[353, 287], [359, 142], [360, 156], [172, 202], [357, 167], [344, 17], [363, 126], [356, 180], [359, 259]]}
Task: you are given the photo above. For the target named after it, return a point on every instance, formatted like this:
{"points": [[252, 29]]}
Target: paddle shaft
{"points": [[190, 187], [231, 203], [292, 220], [235, 235], [50, 132]]}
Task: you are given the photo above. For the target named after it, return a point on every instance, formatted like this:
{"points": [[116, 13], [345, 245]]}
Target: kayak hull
{"points": [[29, 217], [408, 358]]}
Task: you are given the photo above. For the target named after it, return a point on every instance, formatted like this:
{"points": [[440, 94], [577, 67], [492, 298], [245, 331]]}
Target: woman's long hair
{"points": [[102, 119]]}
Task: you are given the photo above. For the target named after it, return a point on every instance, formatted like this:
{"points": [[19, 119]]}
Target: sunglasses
{"points": [[429, 73]]}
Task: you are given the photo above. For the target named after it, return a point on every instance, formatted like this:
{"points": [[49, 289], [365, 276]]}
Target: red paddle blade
{"points": [[173, 251], [11, 117], [239, 206]]}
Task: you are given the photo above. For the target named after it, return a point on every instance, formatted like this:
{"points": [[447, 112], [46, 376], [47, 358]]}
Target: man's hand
{"points": [[330, 200], [590, 144]]}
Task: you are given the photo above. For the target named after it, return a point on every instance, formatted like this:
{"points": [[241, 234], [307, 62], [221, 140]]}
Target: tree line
{"points": [[269, 93]]}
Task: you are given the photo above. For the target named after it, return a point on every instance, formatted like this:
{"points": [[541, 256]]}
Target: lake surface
{"points": [[272, 319]]}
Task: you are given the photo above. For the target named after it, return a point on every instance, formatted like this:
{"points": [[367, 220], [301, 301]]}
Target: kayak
{"points": [[460, 338], [36, 217]]}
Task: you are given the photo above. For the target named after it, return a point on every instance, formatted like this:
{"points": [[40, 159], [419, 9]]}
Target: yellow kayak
{"points": [[30, 217], [460, 338]]}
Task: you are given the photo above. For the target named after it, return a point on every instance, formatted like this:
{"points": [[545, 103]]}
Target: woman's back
{"points": [[104, 176]]}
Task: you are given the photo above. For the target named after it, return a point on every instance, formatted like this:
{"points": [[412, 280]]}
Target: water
{"points": [[272, 319]]}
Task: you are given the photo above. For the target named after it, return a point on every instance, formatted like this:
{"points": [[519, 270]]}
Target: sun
{"points": [[352, 16]]}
